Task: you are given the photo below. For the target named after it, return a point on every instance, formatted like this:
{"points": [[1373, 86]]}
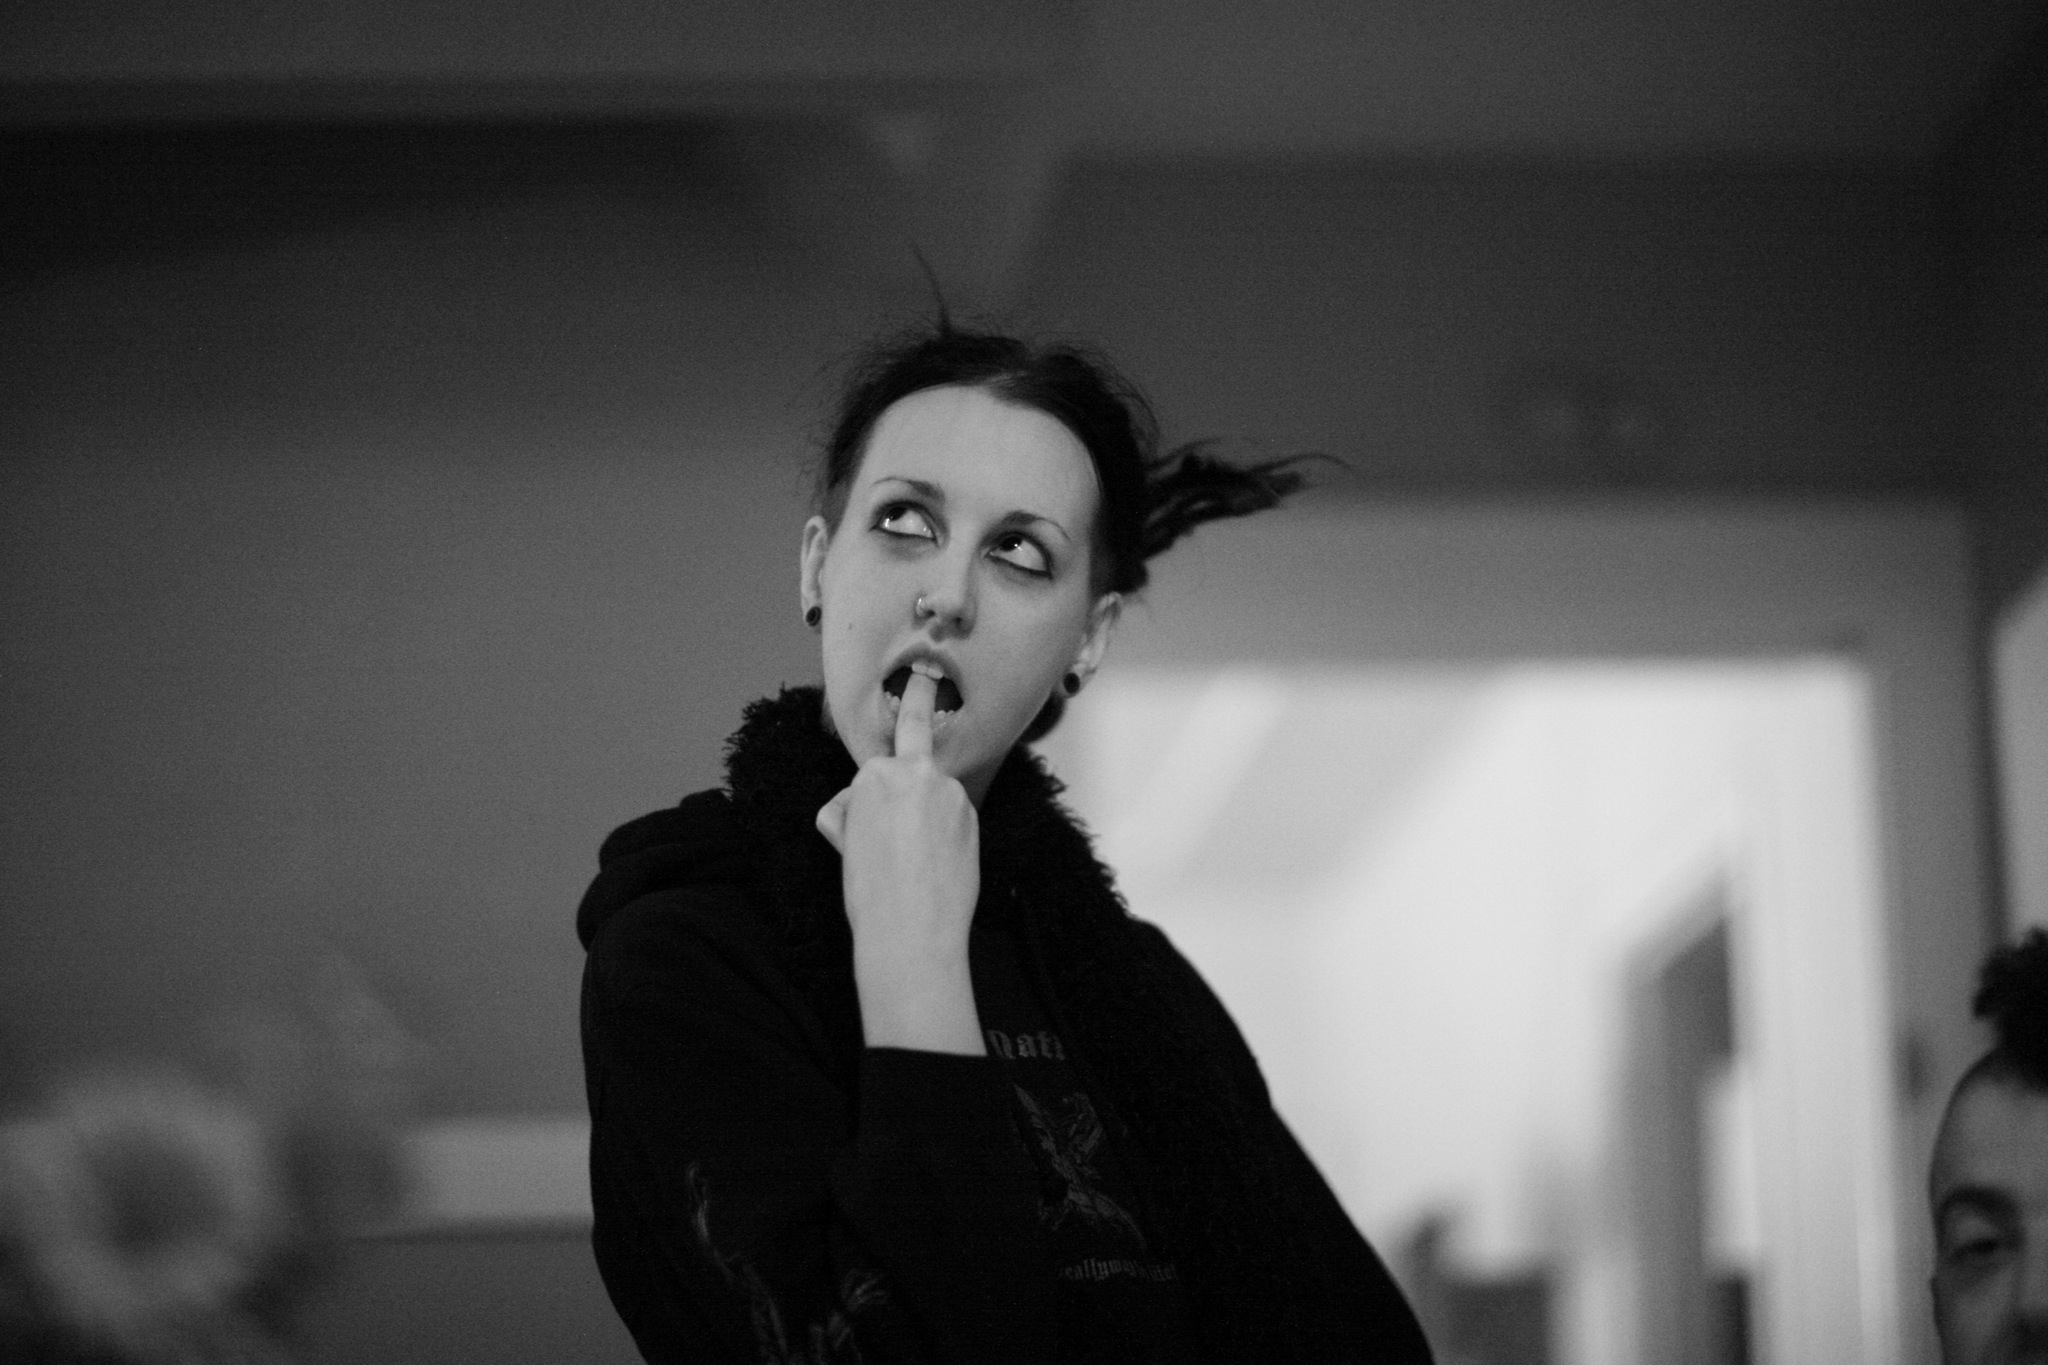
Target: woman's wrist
{"points": [[923, 1001]]}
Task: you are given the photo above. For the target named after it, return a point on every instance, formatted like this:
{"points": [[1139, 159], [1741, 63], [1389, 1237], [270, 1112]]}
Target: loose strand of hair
{"points": [[1188, 486], [942, 322]]}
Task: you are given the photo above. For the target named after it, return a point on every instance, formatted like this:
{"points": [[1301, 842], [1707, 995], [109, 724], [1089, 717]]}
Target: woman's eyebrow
{"points": [[931, 492]]}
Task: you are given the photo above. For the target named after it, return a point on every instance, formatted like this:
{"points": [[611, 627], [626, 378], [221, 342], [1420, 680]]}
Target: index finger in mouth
{"points": [[914, 717]]}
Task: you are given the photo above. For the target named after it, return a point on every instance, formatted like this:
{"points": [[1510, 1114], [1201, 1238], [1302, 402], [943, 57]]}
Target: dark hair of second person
{"points": [[1987, 1184]]}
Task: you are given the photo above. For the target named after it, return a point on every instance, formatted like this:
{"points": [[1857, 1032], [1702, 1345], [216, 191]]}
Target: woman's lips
{"points": [[947, 698]]}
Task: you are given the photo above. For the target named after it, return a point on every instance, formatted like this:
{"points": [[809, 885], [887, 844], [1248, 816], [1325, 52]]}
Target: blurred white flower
{"points": [[139, 1213], [155, 1220]]}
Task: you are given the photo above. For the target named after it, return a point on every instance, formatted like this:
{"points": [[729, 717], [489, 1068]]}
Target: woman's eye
{"points": [[904, 519], [1021, 552]]}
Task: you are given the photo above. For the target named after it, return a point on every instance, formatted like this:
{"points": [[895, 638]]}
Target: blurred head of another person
{"points": [[1988, 1185]]}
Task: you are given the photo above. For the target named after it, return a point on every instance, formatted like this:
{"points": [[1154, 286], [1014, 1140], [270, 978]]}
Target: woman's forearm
{"points": [[919, 999], [717, 1135]]}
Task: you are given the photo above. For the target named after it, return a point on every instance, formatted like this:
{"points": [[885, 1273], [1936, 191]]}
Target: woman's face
{"points": [[966, 541]]}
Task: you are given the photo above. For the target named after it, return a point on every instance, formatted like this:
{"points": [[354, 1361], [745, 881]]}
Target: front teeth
{"points": [[944, 706]]}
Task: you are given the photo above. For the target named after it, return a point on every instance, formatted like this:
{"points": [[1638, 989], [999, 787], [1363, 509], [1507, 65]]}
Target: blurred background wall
{"points": [[403, 416]]}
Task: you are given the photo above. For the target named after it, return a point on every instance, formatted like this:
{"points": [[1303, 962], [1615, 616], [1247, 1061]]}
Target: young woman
{"points": [[879, 1066]]}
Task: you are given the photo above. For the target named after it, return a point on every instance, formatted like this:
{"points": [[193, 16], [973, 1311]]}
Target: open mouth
{"points": [[947, 699]]}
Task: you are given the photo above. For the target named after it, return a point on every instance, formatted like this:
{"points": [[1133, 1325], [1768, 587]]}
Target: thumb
{"points": [[832, 820]]}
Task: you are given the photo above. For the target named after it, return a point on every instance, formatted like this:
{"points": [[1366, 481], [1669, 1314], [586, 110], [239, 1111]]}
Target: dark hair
{"points": [[2012, 994], [1149, 500]]}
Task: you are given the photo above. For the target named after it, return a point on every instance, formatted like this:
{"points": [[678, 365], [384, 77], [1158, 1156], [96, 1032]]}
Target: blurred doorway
{"points": [[1494, 933], [1849, 838], [1693, 1221]]}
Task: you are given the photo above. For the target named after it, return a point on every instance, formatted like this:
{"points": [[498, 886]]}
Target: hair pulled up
{"points": [[1149, 500], [2012, 994]]}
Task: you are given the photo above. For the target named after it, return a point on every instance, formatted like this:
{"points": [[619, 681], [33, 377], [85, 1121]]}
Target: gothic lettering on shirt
{"points": [[1044, 1045], [1096, 1268]]}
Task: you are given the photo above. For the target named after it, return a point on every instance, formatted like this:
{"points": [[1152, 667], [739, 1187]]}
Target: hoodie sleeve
{"points": [[1356, 1311], [750, 1206]]}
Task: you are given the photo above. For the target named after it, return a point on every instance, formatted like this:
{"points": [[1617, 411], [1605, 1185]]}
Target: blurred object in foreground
{"points": [[160, 1217]]}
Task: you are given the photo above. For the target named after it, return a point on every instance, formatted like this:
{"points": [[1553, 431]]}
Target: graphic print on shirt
{"points": [[1069, 1134]]}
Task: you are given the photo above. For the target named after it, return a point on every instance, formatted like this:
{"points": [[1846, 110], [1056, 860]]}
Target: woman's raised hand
{"points": [[910, 864]]}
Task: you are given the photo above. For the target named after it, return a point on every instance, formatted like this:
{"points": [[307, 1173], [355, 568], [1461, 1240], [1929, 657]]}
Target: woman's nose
{"points": [[946, 605]]}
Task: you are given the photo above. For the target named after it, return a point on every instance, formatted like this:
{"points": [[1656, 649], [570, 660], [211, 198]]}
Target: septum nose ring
{"points": [[921, 608]]}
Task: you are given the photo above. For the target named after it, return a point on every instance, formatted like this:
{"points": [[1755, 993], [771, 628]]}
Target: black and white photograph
{"points": [[1044, 682]]}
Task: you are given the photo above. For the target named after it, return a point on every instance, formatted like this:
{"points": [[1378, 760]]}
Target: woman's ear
{"points": [[810, 564], [1102, 619]]}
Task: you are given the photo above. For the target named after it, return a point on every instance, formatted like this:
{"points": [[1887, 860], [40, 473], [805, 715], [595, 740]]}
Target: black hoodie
{"points": [[766, 1188]]}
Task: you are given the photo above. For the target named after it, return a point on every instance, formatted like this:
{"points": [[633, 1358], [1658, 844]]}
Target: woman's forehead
{"points": [[981, 450]]}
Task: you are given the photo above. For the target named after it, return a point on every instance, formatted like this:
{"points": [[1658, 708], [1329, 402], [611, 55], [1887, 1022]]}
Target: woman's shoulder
{"points": [[686, 859], [702, 818], [1150, 950], [679, 924]]}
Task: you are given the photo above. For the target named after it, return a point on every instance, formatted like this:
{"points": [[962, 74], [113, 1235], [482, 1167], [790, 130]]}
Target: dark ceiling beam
{"points": [[614, 56], [948, 95], [54, 105]]}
